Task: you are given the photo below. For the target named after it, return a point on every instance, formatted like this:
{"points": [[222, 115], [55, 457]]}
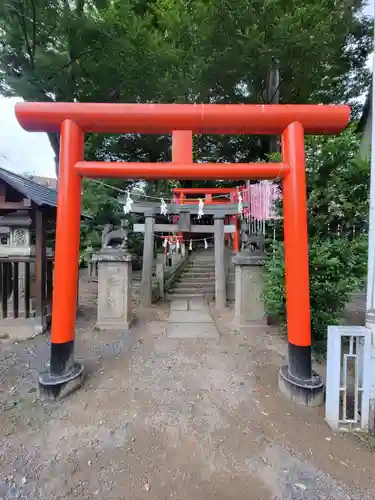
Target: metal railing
{"points": [[348, 377]]}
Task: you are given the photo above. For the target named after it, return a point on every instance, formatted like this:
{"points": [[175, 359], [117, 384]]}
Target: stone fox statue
{"points": [[115, 238], [251, 242]]}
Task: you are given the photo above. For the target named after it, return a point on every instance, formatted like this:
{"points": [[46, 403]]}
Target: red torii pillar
{"points": [[72, 120], [182, 152]]}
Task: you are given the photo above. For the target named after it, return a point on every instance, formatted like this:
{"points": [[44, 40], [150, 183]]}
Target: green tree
{"points": [[178, 51], [215, 51]]}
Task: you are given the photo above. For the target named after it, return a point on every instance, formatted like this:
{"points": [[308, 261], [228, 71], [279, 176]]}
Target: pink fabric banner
{"points": [[261, 197]]}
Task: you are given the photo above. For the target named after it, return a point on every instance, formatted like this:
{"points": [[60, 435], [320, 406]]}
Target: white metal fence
{"points": [[348, 377]]}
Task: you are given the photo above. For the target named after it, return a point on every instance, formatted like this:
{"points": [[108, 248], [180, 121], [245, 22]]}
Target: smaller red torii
{"points": [[208, 192]]}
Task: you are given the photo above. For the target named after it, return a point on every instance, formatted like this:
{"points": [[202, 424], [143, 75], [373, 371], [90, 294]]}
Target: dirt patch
{"points": [[170, 418]]}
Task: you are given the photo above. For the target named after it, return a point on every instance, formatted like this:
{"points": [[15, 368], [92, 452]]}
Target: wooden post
{"points": [[40, 268]]}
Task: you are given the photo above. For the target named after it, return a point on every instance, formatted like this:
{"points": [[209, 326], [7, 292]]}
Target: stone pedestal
{"points": [[114, 289], [249, 306]]}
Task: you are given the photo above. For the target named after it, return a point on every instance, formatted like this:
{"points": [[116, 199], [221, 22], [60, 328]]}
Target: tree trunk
{"points": [[54, 140], [273, 97]]}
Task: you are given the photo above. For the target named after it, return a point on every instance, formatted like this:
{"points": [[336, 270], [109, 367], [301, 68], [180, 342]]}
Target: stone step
{"points": [[183, 295], [192, 279], [196, 279], [199, 270], [197, 282], [194, 290], [201, 266], [198, 276], [192, 287], [204, 268], [205, 263]]}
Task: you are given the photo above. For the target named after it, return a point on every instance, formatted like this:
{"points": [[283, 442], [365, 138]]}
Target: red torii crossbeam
{"points": [[199, 118], [73, 120]]}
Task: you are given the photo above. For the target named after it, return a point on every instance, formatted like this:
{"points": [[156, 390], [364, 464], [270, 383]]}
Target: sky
{"points": [[26, 152], [21, 151], [369, 10]]}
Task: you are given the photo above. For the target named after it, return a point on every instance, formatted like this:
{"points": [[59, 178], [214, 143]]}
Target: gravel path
{"points": [[168, 418]]}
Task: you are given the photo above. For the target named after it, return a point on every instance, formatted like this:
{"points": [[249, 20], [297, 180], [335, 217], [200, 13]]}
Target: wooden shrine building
{"points": [[27, 212]]}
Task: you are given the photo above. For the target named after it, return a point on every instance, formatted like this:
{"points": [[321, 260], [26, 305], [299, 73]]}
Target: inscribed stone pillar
{"points": [[114, 289], [148, 258], [176, 257], [160, 258], [249, 306], [220, 285], [160, 276]]}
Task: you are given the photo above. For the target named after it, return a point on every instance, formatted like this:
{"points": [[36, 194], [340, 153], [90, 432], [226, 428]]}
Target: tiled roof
{"points": [[40, 195]]}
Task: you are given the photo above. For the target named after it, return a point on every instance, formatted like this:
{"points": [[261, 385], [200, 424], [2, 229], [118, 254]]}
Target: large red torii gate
{"points": [[73, 120]]}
